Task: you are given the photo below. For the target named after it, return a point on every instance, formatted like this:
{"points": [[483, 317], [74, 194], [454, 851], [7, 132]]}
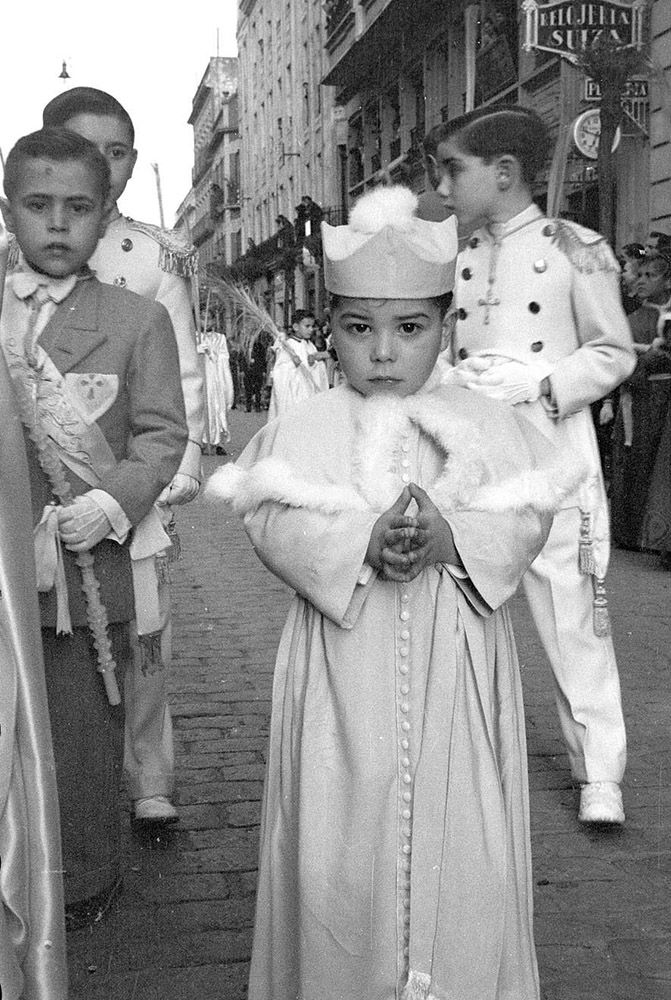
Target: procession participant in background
{"points": [[402, 513], [255, 369], [96, 376], [219, 391], [299, 370], [540, 325], [656, 534], [155, 263], [603, 411], [32, 926], [643, 405]]}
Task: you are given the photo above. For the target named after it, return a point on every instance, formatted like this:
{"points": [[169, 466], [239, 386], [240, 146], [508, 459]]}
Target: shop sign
{"points": [[566, 27], [635, 89]]}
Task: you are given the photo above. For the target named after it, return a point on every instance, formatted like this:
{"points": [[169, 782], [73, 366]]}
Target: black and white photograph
{"points": [[335, 500]]}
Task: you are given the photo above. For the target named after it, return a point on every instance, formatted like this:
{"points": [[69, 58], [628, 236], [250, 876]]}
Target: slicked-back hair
{"points": [[492, 132], [85, 101], [58, 145], [302, 314], [660, 260]]}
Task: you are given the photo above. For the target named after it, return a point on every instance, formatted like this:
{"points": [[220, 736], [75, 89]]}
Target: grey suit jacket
{"points": [[102, 330]]}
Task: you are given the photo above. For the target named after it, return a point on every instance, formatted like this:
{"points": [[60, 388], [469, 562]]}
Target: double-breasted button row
{"points": [[405, 841]]}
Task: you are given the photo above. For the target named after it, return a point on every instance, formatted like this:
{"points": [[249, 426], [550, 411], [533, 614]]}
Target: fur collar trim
{"points": [[380, 425]]}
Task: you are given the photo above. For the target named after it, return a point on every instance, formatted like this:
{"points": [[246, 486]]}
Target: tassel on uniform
{"points": [[600, 608], [175, 551], [150, 652], [163, 570], [586, 562]]}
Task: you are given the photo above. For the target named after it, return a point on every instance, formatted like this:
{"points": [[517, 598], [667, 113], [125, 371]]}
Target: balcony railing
{"points": [[336, 12]]}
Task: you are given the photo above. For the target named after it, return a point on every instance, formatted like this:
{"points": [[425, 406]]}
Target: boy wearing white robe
{"points": [[395, 858]]}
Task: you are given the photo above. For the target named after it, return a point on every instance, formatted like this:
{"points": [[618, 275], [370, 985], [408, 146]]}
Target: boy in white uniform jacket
{"points": [[540, 326]]}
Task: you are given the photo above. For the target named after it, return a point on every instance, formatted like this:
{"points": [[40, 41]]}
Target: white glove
{"points": [[463, 372], [511, 381], [182, 489], [82, 524], [606, 413]]}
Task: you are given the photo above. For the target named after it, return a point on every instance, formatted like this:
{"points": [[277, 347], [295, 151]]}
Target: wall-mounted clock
{"points": [[586, 132]]}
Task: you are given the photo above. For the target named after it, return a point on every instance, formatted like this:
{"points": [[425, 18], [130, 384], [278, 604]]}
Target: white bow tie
{"points": [[26, 283]]}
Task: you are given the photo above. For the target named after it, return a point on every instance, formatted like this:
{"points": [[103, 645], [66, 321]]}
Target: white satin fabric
{"points": [[32, 927]]}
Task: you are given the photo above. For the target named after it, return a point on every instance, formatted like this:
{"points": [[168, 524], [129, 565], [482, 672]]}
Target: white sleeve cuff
{"points": [[115, 515]]}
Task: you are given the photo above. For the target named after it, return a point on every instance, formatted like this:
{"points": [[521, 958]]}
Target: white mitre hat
{"points": [[386, 252]]}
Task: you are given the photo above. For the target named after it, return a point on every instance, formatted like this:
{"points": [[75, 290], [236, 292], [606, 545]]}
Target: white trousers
{"points": [[587, 686], [149, 762]]}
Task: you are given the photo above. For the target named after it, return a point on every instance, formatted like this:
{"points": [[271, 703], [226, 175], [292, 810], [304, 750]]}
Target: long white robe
{"points": [[395, 857], [292, 384], [219, 393]]}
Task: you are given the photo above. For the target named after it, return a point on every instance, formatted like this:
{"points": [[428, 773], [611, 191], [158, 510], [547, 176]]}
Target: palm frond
{"points": [[251, 319]]}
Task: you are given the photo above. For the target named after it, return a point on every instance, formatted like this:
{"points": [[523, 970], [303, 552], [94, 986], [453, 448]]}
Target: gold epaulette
{"points": [[14, 252], [586, 255], [176, 256]]}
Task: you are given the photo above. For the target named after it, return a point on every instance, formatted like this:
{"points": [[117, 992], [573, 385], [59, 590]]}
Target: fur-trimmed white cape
{"points": [[395, 820], [447, 417]]}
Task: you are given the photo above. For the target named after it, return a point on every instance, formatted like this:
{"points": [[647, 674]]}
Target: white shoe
{"points": [[601, 802], [154, 809]]}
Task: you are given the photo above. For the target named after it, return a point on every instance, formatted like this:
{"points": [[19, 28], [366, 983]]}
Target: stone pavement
{"points": [[181, 928]]}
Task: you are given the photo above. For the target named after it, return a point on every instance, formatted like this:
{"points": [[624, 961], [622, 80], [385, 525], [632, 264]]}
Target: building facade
{"points": [[660, 116], [213, 207], [289, 173], [398, 67]]}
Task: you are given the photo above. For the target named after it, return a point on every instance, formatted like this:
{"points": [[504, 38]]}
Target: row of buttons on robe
{"points": [[403, 649], [406, 776]]}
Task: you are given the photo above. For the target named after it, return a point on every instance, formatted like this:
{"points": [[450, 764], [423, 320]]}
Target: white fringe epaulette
{"points": [[587, 251], [176, 256], [13, 253], [380, 424]]}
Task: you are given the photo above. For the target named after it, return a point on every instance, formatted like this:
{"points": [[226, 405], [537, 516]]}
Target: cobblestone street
{"points": [[181, 927]]}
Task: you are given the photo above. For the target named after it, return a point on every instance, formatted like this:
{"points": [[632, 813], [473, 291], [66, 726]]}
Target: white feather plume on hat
{"points": [[387, 252], [384, 206]]}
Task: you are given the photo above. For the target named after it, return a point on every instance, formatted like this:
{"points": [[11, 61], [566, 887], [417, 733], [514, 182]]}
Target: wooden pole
{"points": [[158, 192]]}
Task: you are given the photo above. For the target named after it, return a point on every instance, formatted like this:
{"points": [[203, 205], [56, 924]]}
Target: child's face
{"points": [[630, 274], [305, 329], [467, 184], [112, 138], [387, 345], [57, 213], [653, 282]]}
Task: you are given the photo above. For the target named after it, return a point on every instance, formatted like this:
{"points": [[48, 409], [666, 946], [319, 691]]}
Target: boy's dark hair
{"points": [[442, 301], [58, 145], [660, 259], [85, 101], [633, 251], [663, 239], [302, 314], [492, 132]]}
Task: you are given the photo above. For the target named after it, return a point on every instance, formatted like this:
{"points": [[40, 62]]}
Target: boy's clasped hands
{"points": [[401, 546]]}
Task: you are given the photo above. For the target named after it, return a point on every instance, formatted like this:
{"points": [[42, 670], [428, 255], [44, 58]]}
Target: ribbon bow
{"points": [[49, 565]]}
